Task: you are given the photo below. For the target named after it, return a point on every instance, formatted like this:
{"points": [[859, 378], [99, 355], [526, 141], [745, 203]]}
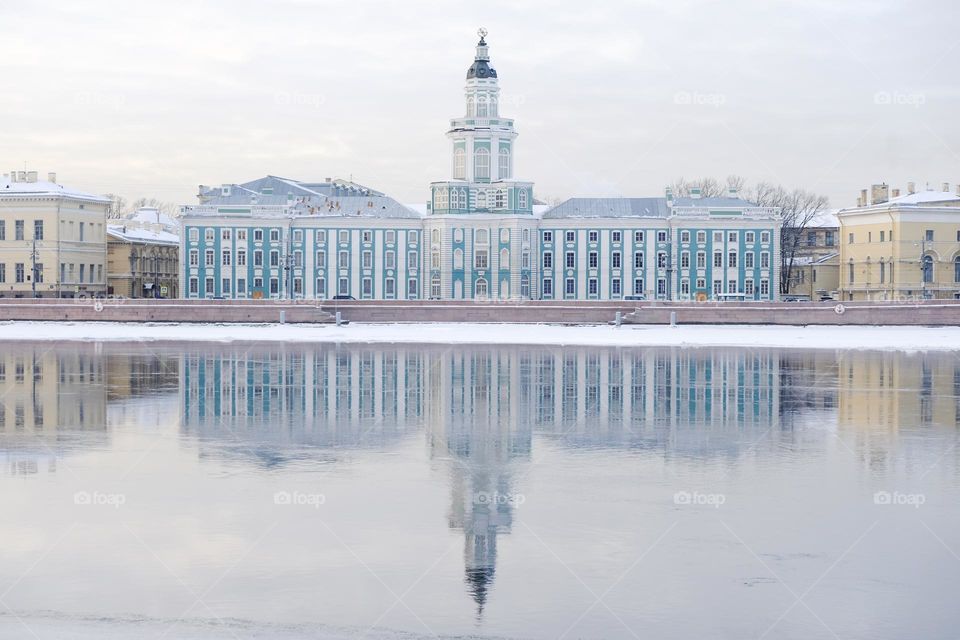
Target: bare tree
{"points": [[117, 206], [709, 187], [154, 203]]}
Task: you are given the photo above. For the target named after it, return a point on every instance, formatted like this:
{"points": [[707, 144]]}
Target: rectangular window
{"points": [[298, 258], [242, 235], [81, 232], [208, 287], [828, 238], [570, 236], [748, 287], [241, 286], [701, 260], [684, 236], [928, 236], [731, 236], [480, 259], [3, 230], [258, 258], [274, 258], [258, 283], [412, 260], [225, 234], [732, 259], [765, 287], [343, 260], [390, 236], [615, 260], [258, 235], [225, 286], [661, 260], [548, 260], [367, 258], [208, 258], [241, 258], [638, 236], [571, 286], [594, 258], [194, 258], [3, 272], [615, 236], [592, 286], [685, 287], [274, 286], [525, 259], [548, 287], [274, 235], [685, 260], [718, 259], [748, 260], [883, 236], [18, 230], [731, 286], [661, 286], [390, 260], [592, 236], [701, 283], [389, 287], [21, 273], [701, 237], [321, 287], [194, 286], [548, 236], [764, 237], [717, 287], [412, 288], [571, 260], [661, 236], [718, 236], [749, 237], [38, 229], [207, 234], [638, 286], [764, 260], [368, 236], [615, 287], [321, 259], [638, 260], [344, 236], [225, 258], [298, 235], [321, 236]]}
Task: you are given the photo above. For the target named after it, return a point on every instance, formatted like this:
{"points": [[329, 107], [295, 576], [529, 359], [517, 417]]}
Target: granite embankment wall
{"points": [[929, 312]]}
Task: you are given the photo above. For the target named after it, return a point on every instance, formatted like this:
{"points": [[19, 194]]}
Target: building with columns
{"points": [[479, 237]]}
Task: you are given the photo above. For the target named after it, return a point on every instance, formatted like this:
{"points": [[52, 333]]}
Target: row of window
{"points": [[92, 273], [456, 198], [593, 258], [570, 287], [229, 288], [19, 230], [228, 257], [749, 237], [481, 164], [320, 235], [887, 274]]}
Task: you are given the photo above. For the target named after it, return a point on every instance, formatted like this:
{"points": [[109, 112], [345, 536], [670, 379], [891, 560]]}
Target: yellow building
{"points": [[52, 239], [906, 247], [815, 278], [143, 252]]}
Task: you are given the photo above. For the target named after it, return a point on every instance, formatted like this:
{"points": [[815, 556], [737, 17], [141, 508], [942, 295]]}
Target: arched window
{"points": [[504, 259], [435, 259], [435, 236], [501, 199], [522, 199], [482, 111], [480, 288], [458, 235], [471, 107], [504, 163], [956, 269], [481, 164], [927, 269], [482, 237], [458, 258], [440, 198], [435, 287], [481, 198], [524, 286], [459, 163], [504, 235]]}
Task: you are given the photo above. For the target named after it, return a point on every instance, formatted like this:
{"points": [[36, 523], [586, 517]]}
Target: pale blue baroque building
{"points": [[481, 236]]}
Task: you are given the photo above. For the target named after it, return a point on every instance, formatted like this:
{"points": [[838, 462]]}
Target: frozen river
{"points": [[328, 491]]}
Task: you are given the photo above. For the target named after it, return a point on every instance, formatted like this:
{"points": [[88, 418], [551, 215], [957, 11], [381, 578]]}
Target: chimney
{"points": [[669, 194], [895, 194], [946, 186], [13, 176], [21, 176], [31, 176], [863, 197], [859, 202], [329, 180], [52, 177], [695, 193], [911, 187], [879, 193]]}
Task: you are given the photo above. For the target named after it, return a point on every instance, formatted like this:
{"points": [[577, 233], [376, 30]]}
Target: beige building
{"points": [[52, 239], [815, 278], [901, 248], [143, 255]]}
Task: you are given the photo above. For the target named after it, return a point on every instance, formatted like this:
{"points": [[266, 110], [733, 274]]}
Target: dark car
{"points": [[343, 297], [638, 296]]}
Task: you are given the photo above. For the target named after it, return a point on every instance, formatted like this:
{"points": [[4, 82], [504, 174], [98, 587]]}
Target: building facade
{"points": [[143, 255], [907, 247], [52, 239], [481, 235]]}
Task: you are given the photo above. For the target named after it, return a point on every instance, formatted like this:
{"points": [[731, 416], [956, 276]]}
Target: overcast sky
{"points": [[610, 98]]}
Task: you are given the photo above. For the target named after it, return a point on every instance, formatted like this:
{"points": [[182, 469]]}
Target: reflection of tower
{"points": [[476, 421]]}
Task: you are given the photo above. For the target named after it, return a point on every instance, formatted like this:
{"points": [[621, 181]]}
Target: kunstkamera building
{"points": [[481, 236]]}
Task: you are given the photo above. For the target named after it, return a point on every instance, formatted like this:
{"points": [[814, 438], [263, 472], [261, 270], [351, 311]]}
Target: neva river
{"points": [[210, 491]]}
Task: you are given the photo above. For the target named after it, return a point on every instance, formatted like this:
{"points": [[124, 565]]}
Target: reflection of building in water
{"points": [[131, 375], [892, 390], [480, 419], [326, 397], [44, 395]]}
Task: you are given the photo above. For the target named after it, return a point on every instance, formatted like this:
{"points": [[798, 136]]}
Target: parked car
{"points": [[796, 298], [343, 297], [637, 296]]}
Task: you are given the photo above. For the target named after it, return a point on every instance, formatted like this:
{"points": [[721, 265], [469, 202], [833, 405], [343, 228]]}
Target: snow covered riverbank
{"points": [[813, 337]]}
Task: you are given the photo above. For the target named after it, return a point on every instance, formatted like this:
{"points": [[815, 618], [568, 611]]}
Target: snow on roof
{"points": [[420, 207], [825, 218], [132, 234], [609, 208], [925, 197], [723, 202], [42, 188], [151, 215]]}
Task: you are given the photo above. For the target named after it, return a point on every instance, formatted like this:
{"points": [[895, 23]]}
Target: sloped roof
{"points": [[371, 207], [131, 234], [722, 202], [42, 188], [609, 208]]}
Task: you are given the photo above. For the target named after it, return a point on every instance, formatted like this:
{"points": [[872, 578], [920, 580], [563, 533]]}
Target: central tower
{"points": [[482, 151]]}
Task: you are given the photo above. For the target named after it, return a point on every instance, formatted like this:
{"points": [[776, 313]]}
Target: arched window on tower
{"points": [[505, 172], [471, 107], [482, 237], [481, 164], [481, 198], [501, 199], [459, 164], [522, 199], [482, 110], [435, 236], [458, 258]]}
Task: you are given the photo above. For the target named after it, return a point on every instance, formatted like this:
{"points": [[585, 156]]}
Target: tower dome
{"points": [[481, 64]]}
